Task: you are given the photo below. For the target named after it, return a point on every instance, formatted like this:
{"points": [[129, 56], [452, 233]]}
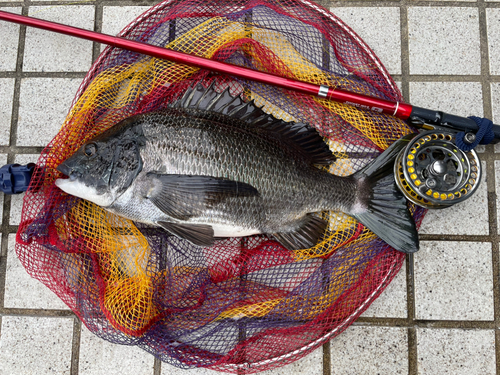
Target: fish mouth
{"points": [[64, 169], [67, 170]]}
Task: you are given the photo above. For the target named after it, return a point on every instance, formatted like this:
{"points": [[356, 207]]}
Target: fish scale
{"points": [[287, 175]]}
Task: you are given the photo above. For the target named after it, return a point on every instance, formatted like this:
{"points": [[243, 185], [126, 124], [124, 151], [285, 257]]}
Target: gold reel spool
{"points": [[433, 172]]}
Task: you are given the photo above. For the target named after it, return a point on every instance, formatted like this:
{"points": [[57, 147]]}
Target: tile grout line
{"points": [[491, 173], [456, 237], [36, 312], [411, 331], [98, 15], [405, 50], [444, 324], [327, 355], [484, 55], [43, 75], [416, 3], [157, 366], [410, 282], [75, 346], [327, 358], [117, 3], [17, 87], [494, 240], [414, 78]]}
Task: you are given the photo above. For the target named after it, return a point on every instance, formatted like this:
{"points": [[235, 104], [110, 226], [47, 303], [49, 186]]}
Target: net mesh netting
{"points": [[245, 304]]}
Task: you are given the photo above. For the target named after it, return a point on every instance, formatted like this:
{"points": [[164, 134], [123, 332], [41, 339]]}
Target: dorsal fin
{"points": [[299, 135]]}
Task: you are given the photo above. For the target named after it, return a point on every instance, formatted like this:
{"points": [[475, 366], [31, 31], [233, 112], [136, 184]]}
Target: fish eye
{"points": [[90, 149]]}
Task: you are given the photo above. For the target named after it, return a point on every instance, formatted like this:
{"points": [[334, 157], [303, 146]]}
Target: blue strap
{"points": [[483, 136]]}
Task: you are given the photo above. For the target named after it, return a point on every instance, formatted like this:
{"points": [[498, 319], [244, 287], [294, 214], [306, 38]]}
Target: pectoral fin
{"points": [[184, 196], [197, 234]]}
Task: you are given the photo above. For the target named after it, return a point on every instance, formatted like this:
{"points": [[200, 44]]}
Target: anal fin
{"points": [[197, 234], [307, 235]]}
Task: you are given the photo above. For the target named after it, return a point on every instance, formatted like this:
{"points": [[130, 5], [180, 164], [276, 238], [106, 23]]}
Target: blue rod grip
{"points": [[15, 178]]}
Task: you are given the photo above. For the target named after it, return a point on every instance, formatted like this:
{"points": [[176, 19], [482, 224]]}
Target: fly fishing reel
{"points": [[433, 172]]}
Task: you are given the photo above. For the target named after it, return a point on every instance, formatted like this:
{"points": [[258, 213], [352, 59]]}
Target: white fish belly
{"points": [[224, 230]]}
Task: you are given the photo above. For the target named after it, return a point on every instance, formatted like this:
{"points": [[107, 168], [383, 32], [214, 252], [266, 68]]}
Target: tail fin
{"points": [[381, 206]]}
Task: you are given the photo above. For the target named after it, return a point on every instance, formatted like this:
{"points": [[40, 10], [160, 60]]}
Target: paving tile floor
{"points": [[440, 315]]}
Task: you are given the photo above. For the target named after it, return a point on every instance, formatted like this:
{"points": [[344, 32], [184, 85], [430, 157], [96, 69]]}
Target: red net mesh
{"points": [[245, 304]]}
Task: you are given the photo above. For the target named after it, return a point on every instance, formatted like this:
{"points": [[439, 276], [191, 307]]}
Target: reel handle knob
{"points": [[431, 183], [469, 138]]}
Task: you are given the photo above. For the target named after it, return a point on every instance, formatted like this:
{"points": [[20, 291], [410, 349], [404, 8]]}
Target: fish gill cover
{"points": [[244, 304]]}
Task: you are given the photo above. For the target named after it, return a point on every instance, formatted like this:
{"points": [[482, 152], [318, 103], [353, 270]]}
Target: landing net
{"points": [[245, 304]]}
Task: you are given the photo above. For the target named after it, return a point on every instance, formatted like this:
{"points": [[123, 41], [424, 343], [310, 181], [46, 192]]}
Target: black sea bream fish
{"points": [[213, 165]]}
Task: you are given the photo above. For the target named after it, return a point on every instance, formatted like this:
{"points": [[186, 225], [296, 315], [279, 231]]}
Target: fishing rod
{"points": [[417, 116], [431, 179]]}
